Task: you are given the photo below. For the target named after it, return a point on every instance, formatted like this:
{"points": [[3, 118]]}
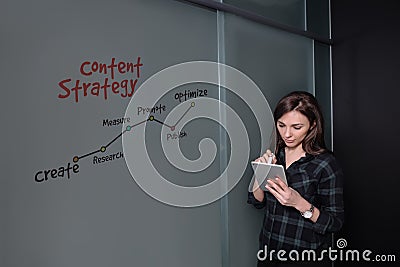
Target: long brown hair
{"points": [[306, 104]]}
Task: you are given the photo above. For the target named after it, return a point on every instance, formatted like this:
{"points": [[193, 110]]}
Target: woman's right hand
{"points": [[257, 191], [264, 158]]}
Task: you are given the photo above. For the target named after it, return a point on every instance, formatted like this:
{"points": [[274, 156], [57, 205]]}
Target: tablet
{"points": [[264, 171]]}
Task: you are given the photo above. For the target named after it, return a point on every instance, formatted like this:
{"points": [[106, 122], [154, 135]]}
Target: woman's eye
{"points": [[281, 125], [297, 128]]}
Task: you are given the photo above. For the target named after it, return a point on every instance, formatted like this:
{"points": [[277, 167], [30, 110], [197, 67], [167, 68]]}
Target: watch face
{"points": [[307, 214]]}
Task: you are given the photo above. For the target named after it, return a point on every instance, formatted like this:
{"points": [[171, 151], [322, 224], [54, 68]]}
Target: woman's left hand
{"points": [[284, 194]]}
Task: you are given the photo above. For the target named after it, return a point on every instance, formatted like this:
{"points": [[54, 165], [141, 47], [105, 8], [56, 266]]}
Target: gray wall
{"points": [[100, 216]]}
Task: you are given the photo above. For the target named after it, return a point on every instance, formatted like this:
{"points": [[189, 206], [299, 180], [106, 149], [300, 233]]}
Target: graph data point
{"points": [[75, 159], [103, 149], [128, 128], [172, 128], [151, 118], [192, 104]]}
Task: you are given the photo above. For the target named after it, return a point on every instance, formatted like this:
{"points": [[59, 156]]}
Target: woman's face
{"points": [[293, 128]]}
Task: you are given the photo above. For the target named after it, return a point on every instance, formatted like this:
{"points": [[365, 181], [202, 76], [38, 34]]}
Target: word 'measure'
{"points": [[108, 85]]}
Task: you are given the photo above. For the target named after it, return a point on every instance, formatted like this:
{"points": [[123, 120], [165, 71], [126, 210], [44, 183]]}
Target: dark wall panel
{"points": [[366, 79]]}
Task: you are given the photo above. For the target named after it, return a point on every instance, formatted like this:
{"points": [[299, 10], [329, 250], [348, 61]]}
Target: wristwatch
{"points": [[308, 213]]}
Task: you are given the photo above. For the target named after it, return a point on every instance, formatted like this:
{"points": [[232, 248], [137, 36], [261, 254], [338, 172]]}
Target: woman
{"points": [[300, 216]]}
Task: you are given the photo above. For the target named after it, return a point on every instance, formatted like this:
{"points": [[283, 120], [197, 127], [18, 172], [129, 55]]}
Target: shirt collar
{"points": [[281, 159]]}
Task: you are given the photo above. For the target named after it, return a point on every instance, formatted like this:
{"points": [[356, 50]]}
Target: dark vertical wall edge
{"points": [[323, 86]]}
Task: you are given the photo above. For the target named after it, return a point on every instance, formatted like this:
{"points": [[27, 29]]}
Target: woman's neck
{"points": [[294, 151], [293, 154]]}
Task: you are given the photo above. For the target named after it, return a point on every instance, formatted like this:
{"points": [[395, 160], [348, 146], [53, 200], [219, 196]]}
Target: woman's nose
{"points": [[288, 133]]}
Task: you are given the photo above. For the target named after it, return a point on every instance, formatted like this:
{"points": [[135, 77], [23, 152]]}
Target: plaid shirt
{"points": [[319, 180]]}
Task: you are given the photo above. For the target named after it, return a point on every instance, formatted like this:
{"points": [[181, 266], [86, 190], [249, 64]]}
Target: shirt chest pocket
{"points": [[303, 183]]}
